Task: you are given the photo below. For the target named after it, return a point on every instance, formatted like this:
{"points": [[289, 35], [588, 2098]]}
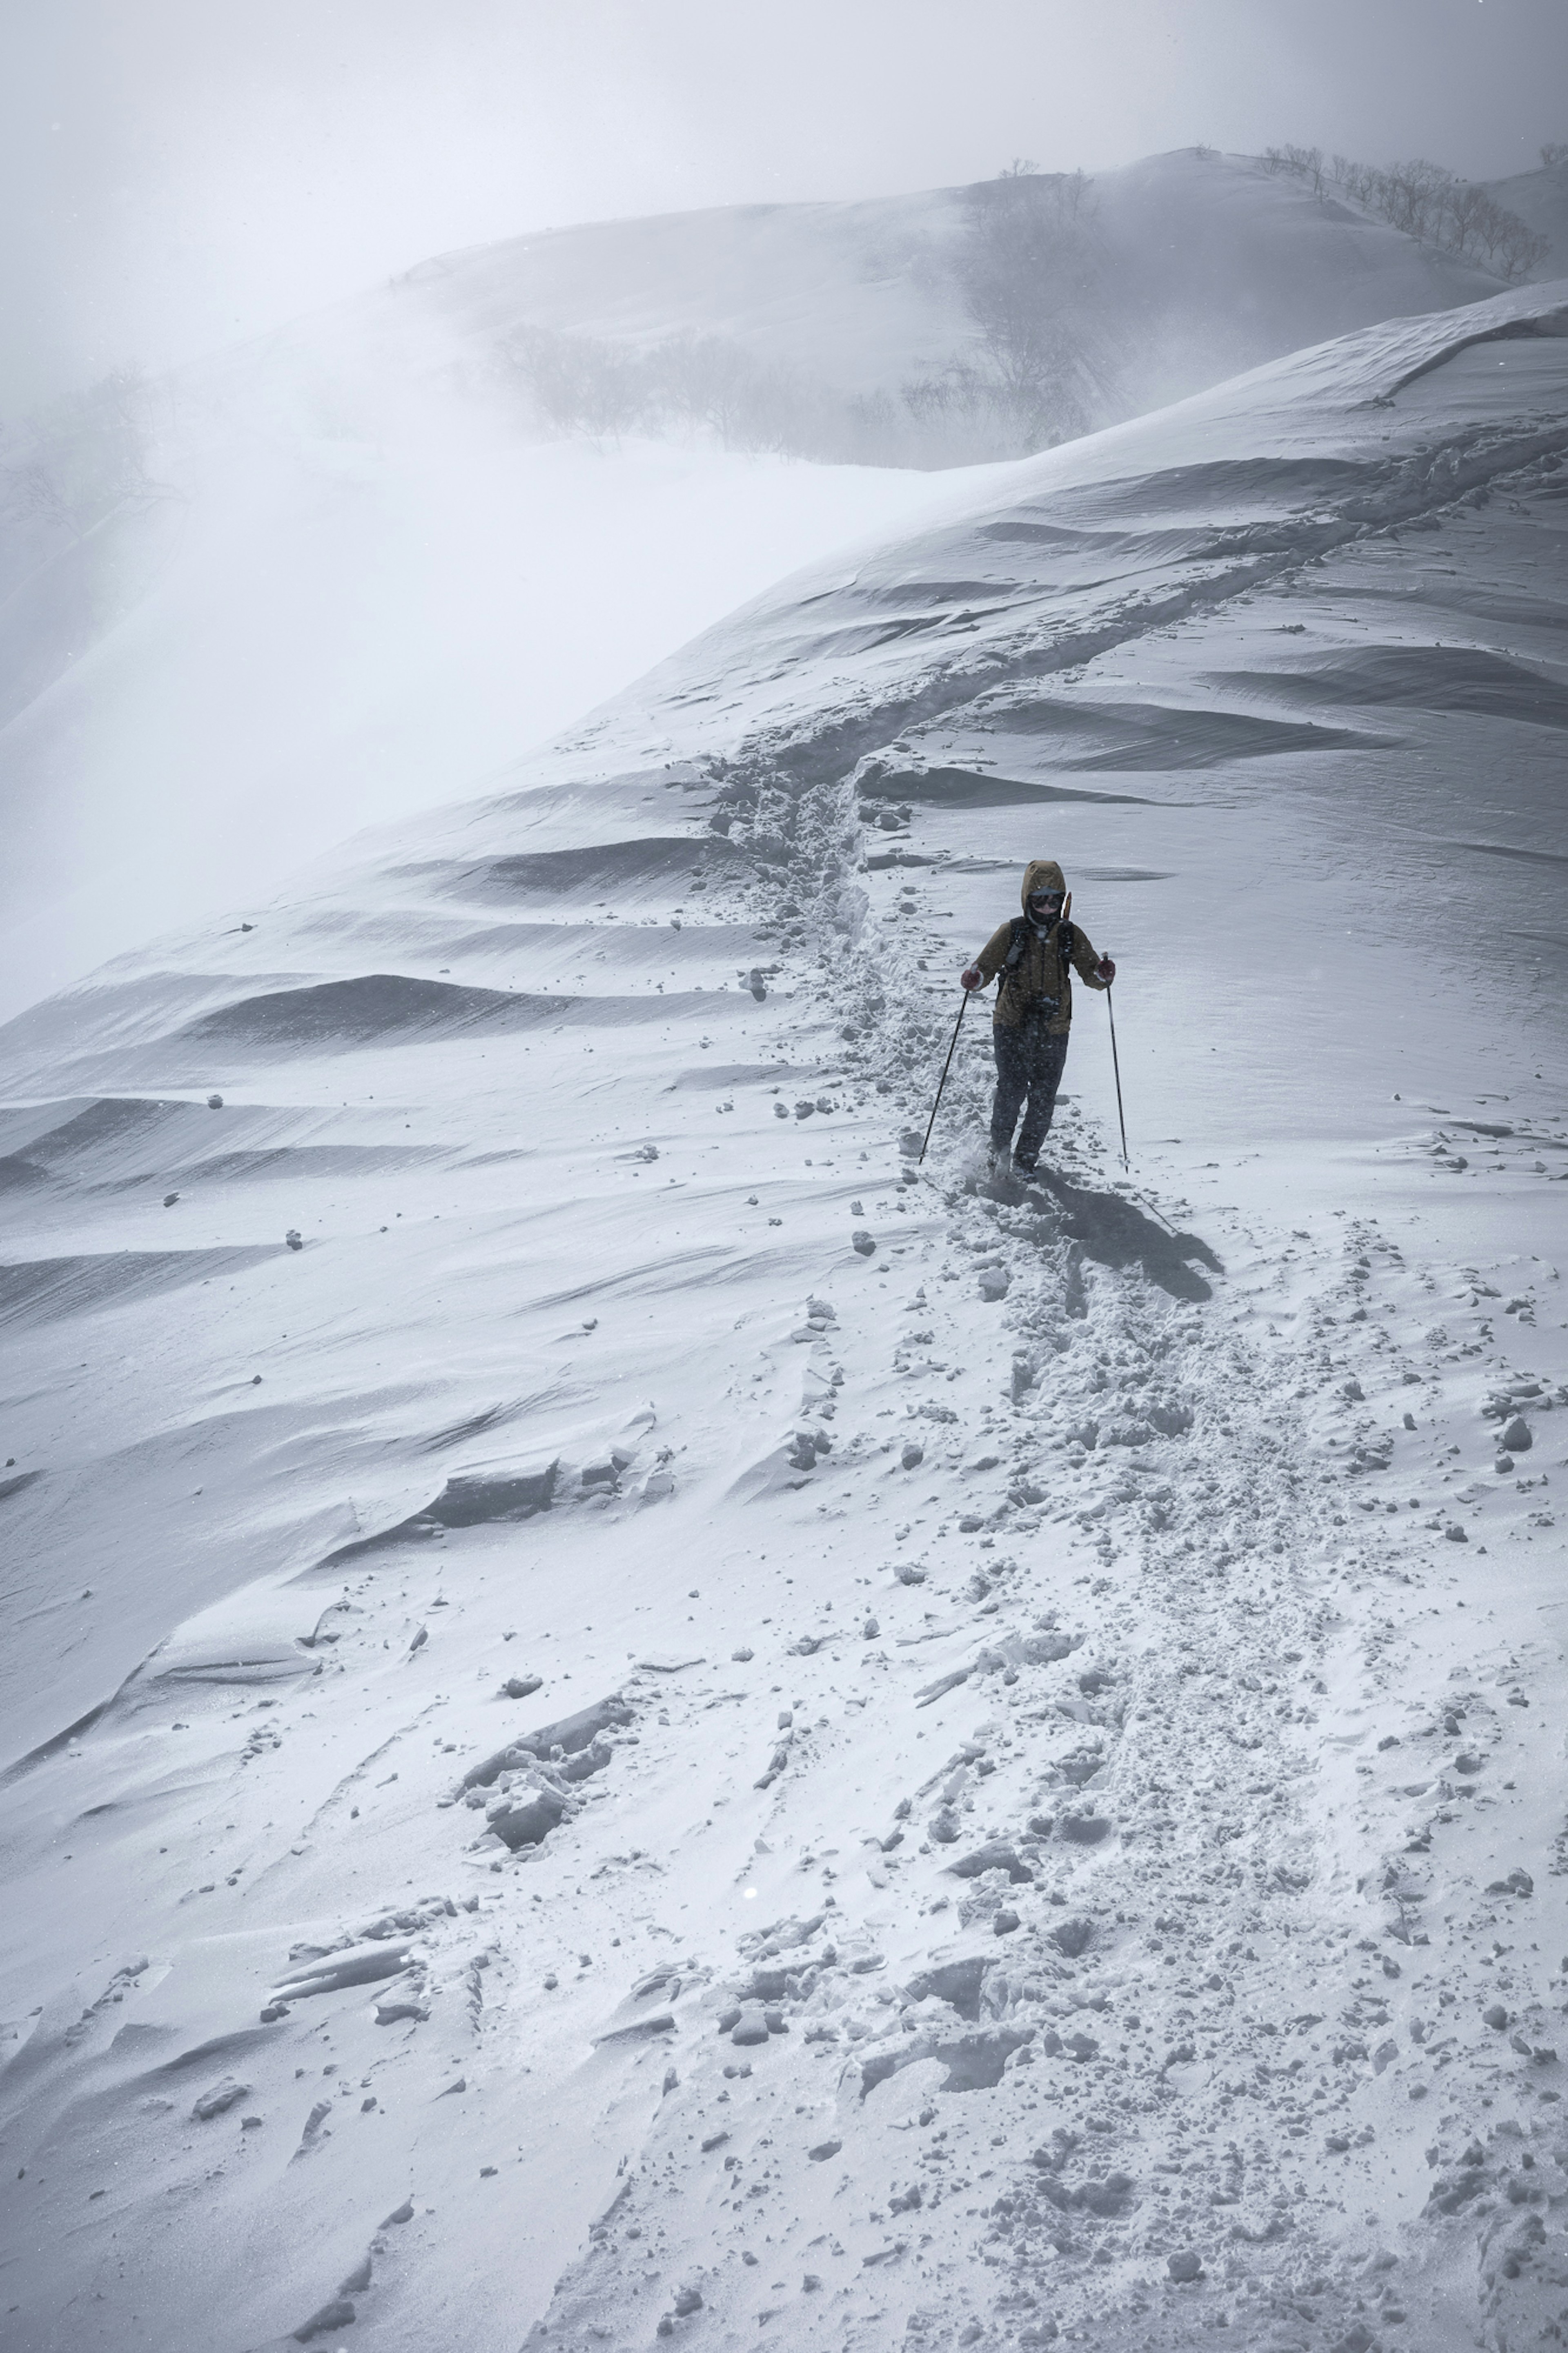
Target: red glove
{"points": [[1106, 969], [973, 977]]}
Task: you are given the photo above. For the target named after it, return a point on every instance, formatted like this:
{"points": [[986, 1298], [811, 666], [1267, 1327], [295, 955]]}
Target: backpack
{"points": [[1063, 937]]}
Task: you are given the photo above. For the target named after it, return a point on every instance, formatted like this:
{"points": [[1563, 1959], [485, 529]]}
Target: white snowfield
{"points": [[531, 1816]]}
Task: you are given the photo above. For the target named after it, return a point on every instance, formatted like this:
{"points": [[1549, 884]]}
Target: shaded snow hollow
{"points": [[590, 1761]]}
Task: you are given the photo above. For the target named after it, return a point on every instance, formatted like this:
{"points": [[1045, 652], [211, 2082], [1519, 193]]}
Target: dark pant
{"points": [[1028, 1064]]}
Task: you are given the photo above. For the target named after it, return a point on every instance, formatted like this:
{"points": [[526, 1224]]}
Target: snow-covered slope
{"points": [[1540, 199], [1204, 264], [332, 576], [532, 1816]]}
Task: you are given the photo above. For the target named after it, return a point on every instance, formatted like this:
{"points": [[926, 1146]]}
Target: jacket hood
{"points": [[1041, 874]]}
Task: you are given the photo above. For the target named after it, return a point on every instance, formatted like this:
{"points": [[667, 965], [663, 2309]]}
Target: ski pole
{"points": [[942, 1081], [1116, 1066]]}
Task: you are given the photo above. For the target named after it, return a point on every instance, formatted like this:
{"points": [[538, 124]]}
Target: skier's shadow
{"points": [[1115, 1231]]}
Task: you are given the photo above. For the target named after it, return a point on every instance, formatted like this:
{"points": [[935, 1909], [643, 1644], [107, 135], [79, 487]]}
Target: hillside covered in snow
{"points": [[340, 574], [530, 1815], [948, 325]]}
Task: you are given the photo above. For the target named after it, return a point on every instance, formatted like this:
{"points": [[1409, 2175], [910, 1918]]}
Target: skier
{"points": [[1034, 1008]]}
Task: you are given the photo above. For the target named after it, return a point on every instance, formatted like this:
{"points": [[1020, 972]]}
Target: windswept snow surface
{"points": [[534, 1816]]}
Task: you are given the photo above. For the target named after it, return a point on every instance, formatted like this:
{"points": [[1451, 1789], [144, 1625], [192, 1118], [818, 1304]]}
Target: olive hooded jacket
{"points": [[1041, 973]]}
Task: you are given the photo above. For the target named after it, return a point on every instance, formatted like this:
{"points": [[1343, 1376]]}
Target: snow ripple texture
{"points": [[631, 1716]]}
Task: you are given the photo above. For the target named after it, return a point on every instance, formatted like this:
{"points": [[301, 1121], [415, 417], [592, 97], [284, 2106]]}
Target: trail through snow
{"points": [[632, 1717]]}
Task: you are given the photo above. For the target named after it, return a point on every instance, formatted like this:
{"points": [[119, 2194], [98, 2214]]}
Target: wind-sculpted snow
{"points": [[569, 877], [1472, 680], [631, 1715], [45, 1290]]}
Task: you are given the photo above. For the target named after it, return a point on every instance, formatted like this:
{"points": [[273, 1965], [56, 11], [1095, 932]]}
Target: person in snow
{"points": [[1035, 954]]}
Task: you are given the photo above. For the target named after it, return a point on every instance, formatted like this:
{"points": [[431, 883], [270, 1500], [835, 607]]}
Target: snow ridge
{"points": [[1085, 1858]]}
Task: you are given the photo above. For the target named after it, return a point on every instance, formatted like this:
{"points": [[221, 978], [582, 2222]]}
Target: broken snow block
{"points": [[222, 2095], [1184, 2267], [749, 2028], [522, 1686], [568, 1733], [1518, 1438], [530, 1824], [470, 1499], [993, 1282], [911, 1457], [994, 1856], [392, 2013], [958, 1983], [861, 1240], [292, 1239], [1083, 1830]]}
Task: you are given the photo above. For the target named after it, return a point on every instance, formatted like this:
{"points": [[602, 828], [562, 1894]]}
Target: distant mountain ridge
{"points": [[895, 330]]}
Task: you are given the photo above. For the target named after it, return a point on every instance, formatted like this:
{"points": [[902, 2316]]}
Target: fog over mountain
{"points": [[344, 571]]}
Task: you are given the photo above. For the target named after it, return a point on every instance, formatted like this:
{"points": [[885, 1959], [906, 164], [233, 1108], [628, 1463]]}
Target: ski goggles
{"points": [[1047, 898]]}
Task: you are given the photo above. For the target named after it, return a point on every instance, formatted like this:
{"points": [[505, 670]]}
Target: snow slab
{"points": [[529, 1817]]}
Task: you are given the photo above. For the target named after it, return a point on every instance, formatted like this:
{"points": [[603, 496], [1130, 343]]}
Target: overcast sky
{"points": [[177, 174]]}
